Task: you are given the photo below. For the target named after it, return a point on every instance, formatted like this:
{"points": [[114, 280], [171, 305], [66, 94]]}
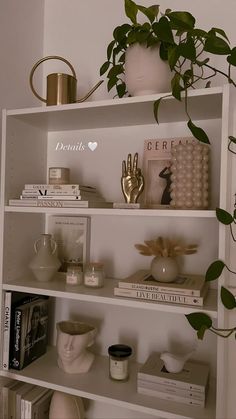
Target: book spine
{"points": [[60, 197], [171, 397], [171, 390], [159, 296], [171, 382], [48, 204], [29, 193], [15, 361], [43, 187], [6, 330], [157, 288]]}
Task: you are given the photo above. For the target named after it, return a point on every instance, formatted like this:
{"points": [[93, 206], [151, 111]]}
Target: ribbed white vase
{"points": [[145, 72]]}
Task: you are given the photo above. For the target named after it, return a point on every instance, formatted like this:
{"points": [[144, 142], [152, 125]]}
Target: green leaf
{"points": [[109, 49], [223, 216], [173, 56], [154, 9], [234, 214], [163, 51], [175, 86], [199, 33], [131, 10], [198, 320], [122, 58], [203, 62], [227, 298], [111, 83], [156, 108], [121, 89], [163, 31], [115, 70], [221, 32], [214, 270], [187, 49], [232, 57], [181, 20], [188, 77], [217, 46], [148, 12], [198, 133], [201, 331], [142, 36], [122, 31], [233, 139], [104, 68]]}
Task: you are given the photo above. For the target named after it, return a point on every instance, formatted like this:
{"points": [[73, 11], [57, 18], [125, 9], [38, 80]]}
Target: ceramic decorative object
{"points": [[145, 72], [189, 178], [164, 269], [73, 339], [45, 262], [174, 362], [164, 266], [66, 406]]}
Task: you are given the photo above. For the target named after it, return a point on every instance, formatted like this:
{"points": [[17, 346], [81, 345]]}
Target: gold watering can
{"points": [[61, 88]]}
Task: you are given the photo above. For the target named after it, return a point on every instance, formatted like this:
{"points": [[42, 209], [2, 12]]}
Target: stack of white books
{"points": [[187, 289], [69, 195], [188, 386]]}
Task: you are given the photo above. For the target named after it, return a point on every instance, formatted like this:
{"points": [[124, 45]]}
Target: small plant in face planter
{"points": [[183, 47], [164, 266]]}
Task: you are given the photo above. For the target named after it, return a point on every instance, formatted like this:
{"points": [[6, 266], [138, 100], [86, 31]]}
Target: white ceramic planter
{"points": [[145, 72], [164, 269]]}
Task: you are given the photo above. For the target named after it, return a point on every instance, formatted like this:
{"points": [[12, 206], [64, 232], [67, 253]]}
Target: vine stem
{"points": [[221, 72]]}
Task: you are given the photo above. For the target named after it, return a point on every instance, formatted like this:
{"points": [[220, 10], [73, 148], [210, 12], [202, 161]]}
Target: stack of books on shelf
{"points": [[187, 289], [25, 401], [25, 329], [60, 196], [188, 386]]}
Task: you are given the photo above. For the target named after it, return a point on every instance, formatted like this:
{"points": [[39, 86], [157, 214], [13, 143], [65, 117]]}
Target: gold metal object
{"points": [[61, 88], [132, 180]]}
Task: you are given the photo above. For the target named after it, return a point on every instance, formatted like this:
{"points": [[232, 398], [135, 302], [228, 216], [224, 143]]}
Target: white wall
{"points": [[21, 34]]}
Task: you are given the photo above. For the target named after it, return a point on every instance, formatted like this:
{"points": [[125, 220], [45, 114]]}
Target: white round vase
{"points": [[145, 72], [66, 406], [164, 269]]}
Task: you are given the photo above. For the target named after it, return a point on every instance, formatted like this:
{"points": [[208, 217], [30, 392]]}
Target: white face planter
{"points": [[73, 339]]}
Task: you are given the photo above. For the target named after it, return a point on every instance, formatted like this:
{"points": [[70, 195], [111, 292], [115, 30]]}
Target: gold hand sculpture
{"points": [[132, 180]]}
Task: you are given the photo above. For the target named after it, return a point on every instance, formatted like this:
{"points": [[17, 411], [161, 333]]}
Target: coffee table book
{"points": [[194, 376], [185, 284], [162, 297]]}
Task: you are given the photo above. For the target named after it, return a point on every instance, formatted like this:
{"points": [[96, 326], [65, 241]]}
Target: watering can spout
{"points": [[61, 88]]}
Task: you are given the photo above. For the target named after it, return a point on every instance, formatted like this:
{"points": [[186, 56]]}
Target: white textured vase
{"points": [[164, 269], [66, 406], [145, 72], [45, 262]]}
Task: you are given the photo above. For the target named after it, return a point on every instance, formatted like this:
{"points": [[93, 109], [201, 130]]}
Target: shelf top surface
{"points": [[203, 104], [105, 295], [96, 385]]}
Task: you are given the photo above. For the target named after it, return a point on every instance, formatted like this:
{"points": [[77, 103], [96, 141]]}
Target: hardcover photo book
{"points": [[29, 332]]}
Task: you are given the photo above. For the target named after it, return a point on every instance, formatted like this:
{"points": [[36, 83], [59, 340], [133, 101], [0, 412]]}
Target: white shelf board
{"points": [[203, 103], [105, 295], [116, 212], [96, 385]]}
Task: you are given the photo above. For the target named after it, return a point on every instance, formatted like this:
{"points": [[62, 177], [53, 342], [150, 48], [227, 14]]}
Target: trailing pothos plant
{"points": [[185, 48], [201, 322]]}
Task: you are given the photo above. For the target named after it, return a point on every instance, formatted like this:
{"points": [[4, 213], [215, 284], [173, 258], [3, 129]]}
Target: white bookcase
{"points": [[29, 147]]}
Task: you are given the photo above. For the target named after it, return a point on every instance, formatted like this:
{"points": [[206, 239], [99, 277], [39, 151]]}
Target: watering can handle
{"points": [[49, 57]]}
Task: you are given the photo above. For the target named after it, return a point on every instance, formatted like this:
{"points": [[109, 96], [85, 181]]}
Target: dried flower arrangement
{"points": [[165, 247]]}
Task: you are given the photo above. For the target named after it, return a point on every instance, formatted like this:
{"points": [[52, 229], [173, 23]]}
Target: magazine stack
{"points": [[186, 289], [60, 196], [188, 386]]}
